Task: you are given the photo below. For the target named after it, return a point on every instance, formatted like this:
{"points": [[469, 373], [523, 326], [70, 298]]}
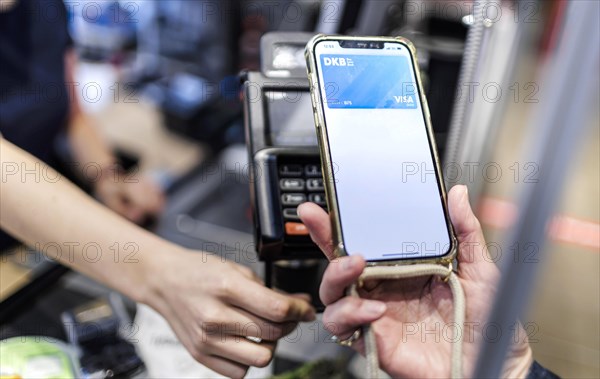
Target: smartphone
{"points": [[381, 171]]}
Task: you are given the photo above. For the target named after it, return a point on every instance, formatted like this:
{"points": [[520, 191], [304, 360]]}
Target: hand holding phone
{"points": [[407, 314], [383, 182]]}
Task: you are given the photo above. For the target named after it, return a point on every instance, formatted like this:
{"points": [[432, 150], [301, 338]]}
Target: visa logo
{"points": [[345, 62], [404, 99]]}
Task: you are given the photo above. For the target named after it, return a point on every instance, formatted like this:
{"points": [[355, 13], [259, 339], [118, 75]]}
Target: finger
{"points": [[340, 273], [226, 367], [245, 324], [303, 296], [127, 210], [465, 223], [119, 208], [248, 273], [145, 195], [158, 198], [473, 258], [156, 201], [239, 349], [345, 316], [123, 203], [115, 203], [198, 350], [319, 226], [270, 305], [134, 213]]}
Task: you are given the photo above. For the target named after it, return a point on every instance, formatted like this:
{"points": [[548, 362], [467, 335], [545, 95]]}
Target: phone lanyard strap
{"points": [[403, 272]]}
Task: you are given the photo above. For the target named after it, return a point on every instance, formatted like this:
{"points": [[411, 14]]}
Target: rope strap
{"points": [[403, 272]]}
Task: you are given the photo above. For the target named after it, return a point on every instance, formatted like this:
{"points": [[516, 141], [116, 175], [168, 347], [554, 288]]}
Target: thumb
{"points": [[464, 221], [474, 261]]}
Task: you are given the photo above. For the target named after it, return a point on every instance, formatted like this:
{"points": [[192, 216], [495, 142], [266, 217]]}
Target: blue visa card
{"points": [[368, 82]]}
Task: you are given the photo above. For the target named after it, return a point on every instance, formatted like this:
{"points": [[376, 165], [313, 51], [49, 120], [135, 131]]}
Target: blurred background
{"points": [[165, 91]]}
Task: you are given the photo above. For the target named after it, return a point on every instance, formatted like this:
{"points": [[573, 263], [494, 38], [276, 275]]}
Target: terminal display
{"points": [[290, 119]]}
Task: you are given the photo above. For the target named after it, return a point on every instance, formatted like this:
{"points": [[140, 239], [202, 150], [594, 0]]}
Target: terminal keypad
{"points": [[299, 183]]}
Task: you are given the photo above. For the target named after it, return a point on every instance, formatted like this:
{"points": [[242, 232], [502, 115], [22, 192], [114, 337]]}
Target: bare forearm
{"points": [[48, 210], [87, 144]]}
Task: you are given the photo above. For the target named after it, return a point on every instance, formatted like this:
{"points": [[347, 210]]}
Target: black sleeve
{"points": [[66, 18], [537, 371]]}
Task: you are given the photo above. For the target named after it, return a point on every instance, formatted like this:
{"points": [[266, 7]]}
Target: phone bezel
{"points": [[320, 124]]}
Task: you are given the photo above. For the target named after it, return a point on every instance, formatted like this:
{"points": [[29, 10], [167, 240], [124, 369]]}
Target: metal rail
{"points": [[570, 86]]}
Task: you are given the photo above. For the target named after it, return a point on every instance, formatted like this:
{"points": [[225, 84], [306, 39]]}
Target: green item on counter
{"points": [[325, 368], [36, 357]]}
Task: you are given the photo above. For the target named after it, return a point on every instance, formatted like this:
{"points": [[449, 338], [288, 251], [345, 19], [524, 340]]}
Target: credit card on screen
{"points": [[363, 82]]}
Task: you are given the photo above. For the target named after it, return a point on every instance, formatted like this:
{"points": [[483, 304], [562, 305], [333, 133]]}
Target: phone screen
{"points": [[389, 200]]}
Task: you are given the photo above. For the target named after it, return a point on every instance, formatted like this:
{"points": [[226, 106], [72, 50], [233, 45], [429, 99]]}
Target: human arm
{"points": [[134, 197], [409, 317], [210, 303]]}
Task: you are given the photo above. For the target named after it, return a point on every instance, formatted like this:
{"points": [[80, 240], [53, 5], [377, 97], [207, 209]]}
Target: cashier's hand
{"points": [[136, 197], [212, 305], [406, 314]]}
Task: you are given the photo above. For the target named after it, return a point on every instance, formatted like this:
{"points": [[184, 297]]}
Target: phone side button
{"points": [[296, 229], [317, 125]]}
